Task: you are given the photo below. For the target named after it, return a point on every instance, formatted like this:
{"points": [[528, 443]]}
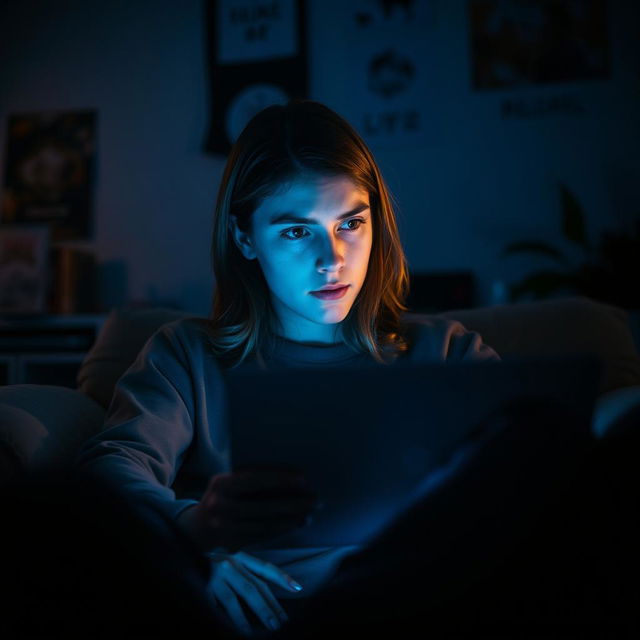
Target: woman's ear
{"points": [[242, 239]]}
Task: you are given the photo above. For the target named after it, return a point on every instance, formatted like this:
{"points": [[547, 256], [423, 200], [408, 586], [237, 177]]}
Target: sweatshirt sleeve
{"points": [[461, 345], [439, 339], [148, 426]]}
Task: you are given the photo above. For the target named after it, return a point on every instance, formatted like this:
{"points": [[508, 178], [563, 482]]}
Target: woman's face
{"points": [[315, 233]]}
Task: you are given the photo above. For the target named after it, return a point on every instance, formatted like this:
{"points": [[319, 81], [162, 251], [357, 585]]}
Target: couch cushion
{"points": [[571, 325], [43, 426], [20, 436], [122, 336]]}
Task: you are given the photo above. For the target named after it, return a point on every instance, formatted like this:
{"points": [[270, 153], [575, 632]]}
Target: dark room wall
{"points": [[484, 171]]}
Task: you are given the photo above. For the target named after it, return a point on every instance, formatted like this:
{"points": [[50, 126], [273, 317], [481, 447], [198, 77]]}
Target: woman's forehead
{"points": [[313, 194]]}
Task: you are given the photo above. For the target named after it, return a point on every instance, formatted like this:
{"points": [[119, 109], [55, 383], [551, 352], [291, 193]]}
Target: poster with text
{"points": [[386, 92], [49, 172], [257, 57]]}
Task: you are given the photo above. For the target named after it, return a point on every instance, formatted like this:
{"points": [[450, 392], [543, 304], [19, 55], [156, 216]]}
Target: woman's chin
{"points": [[333, 316]]}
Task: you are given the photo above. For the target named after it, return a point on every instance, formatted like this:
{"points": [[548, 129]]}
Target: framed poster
{"points": [[257, 57], [516, 43], [24, 268], [49, 172]]}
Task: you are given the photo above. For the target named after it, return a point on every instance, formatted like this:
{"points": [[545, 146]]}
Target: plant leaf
{"points": [[573, 225], [541, 284], [534, 247]]}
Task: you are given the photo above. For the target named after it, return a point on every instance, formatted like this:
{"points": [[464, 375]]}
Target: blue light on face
{"points": [[316, 232]]}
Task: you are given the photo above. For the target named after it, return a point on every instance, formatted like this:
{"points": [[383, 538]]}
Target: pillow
{"points": [[20, 436], [43, 426], [122, 336]]}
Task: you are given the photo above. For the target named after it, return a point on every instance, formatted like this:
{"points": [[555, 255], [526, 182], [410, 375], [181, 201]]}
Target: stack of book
{"points": [[73, 281]]}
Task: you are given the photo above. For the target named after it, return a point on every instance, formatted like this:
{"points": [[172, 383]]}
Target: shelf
{"points": [[46, 349]]}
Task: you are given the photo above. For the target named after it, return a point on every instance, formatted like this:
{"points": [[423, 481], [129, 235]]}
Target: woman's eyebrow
{"points": [[287, 218]]}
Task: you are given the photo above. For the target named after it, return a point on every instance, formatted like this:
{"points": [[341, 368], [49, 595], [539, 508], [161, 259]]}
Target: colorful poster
{"points": [[257, 57], [49, 175]]}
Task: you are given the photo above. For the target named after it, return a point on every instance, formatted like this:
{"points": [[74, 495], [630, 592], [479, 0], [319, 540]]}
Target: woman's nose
{"points": [[331, 258]]}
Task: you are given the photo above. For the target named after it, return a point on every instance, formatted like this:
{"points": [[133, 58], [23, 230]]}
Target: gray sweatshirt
{"points": [[165, 435]]}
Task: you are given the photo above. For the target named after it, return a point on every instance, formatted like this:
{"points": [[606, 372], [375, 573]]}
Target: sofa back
{"points": [[556, 327], [572, 325], [122, 336]]}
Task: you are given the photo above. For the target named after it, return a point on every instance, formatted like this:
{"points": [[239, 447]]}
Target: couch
{"points": [[42, 427]]}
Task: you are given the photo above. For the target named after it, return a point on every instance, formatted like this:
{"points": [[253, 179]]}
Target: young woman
{"points": [[309, 272]]}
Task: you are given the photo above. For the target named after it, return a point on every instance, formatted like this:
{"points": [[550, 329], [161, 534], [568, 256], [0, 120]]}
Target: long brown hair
{"points": [[280, 143]]}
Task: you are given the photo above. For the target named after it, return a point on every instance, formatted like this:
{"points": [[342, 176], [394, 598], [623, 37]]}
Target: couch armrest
{"points": [[43, 426]]}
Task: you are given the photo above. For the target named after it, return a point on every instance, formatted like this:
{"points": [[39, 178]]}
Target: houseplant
{"points": [[608, 272]]}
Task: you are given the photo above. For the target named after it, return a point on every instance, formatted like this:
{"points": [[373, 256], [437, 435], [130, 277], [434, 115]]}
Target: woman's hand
{"points": [[248, 506], [240, 579]]}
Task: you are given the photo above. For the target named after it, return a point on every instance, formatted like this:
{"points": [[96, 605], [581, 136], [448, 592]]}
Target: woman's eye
{"points": [[360, 222], [293, 230], [296, 233]]}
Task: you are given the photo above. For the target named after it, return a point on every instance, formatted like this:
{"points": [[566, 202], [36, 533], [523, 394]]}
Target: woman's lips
{"points": [[333, 294]]}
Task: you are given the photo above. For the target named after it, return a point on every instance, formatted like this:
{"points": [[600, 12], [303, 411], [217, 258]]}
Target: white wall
{"points": [[479, 183]]}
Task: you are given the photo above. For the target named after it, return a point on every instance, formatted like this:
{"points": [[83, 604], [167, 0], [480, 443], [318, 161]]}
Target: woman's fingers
{"points": [[251, 505], [257, 596], [228, 600], [270, 600], [235, 584], [268, 571]]}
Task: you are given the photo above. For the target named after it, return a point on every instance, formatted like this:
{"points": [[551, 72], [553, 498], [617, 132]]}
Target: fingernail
{"points": [[295, 585]]}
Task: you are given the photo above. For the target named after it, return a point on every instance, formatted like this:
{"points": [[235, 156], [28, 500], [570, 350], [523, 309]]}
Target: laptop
{"points": [[367, 437]]}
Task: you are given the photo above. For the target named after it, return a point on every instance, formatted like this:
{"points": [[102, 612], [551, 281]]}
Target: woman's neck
{"points": [[312, 336], [311, 343]]}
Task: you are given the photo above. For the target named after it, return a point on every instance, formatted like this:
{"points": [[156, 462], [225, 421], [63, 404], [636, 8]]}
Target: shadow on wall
{"points": [[113, 284], [432, 292]]}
